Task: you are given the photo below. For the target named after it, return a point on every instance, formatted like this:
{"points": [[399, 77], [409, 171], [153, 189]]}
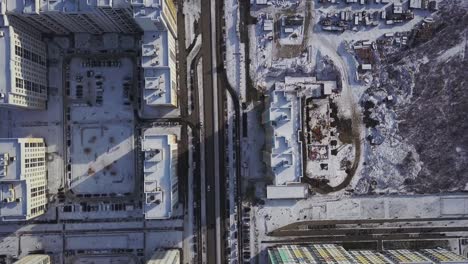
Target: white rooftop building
{"points": [[158, 19], [23, 70], [160, 178], [284, 148], [23, 180]]}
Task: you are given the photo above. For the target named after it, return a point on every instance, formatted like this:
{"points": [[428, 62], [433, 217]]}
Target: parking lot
{"points": [[100, 127]]}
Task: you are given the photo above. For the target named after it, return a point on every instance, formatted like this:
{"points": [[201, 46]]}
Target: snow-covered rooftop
{"points": [[285, 120], [159, 163], [12, 187], [297, 191], [155, 62]]}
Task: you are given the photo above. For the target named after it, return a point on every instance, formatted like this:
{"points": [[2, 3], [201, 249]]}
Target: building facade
{"points": [[23, 58], [320, 253], [64, 17], [23, 178], [169, 256], [331, 253], [34, 259]]}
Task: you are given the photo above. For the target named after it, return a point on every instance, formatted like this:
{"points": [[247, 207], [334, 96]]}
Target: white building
{"points": [[160, 174], [34, 259], [161, 256], [158, 19], [23, 179], [23, 70], [284, 147]]}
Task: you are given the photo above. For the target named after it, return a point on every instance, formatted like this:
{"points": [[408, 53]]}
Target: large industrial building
{"points": [[331, 253], [23, 178], [160, 176], [23, 70], [34, 259]]}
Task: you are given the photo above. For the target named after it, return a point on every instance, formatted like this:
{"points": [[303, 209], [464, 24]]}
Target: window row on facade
{"points": [[30, 86], [29, 55]]}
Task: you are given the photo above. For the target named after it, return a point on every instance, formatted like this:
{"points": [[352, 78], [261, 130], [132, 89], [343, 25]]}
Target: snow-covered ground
{"points": [[267, 68], [192, 16], [235, 49]]}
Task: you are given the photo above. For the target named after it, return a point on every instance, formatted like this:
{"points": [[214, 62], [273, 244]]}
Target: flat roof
{"points": [[297, 191], [157, 86], [12, 187], [155, 63], [10, 159], [158, 173], [285, 120]]}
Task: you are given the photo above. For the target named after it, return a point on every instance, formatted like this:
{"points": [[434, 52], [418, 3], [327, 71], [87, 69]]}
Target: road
{"points": [[213, 127]]}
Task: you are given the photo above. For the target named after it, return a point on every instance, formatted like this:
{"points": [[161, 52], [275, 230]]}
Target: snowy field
{"points": [[101, 127]]}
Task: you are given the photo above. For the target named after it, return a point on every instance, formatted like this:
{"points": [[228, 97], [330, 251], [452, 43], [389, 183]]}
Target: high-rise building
{"points": [[320, 253], [23, 70], [330, 253], [34, 259], [23, 179], [64, 16], [162, 256], [440, 255], [160, 177], [158, 19], [406, 256], [369, 257]]}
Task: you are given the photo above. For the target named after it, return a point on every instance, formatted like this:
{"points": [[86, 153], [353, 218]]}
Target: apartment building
{"points": [[34, 259], [23, 178], [160, 175], [64, 16], [23, 69], [332, 253], [158, 20], [319, 253]]}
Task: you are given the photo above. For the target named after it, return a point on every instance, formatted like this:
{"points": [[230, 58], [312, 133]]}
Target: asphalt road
{"points": [[210, 133], [214, 153]]}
